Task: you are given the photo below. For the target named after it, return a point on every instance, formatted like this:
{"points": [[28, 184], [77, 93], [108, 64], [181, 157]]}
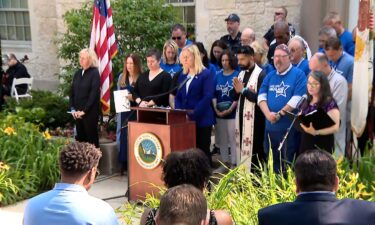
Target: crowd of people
{"points": [[248, 90], [244, 89]]}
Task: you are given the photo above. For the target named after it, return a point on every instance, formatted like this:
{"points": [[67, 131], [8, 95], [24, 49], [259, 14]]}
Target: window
{"points": [[14, 20], [186, 12]]}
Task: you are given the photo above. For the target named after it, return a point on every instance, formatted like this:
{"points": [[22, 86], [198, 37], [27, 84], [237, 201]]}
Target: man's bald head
{"points": [[281, 31], [247, 36]]}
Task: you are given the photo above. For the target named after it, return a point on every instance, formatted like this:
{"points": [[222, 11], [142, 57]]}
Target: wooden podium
{"points": [[156, 133]]}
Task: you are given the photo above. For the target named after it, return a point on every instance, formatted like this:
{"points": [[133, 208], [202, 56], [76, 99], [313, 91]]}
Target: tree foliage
{"points": [[139, 26]]}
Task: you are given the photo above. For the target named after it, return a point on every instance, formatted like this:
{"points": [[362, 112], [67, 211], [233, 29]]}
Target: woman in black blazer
{"points": [[85, 98]]}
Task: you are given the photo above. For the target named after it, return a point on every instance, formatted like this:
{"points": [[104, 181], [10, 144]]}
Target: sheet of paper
{"points": [[122, 103]]}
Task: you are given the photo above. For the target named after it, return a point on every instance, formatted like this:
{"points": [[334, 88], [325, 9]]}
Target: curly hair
{"points": [[188, 167], [77, 158]]}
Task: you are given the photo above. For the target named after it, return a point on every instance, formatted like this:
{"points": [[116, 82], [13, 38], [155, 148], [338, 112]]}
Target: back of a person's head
{"points": [[77, 158], [188, 167], [315, 170], [182, 205]]}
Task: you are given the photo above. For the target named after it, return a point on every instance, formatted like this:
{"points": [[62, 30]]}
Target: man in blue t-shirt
{"points": [[281, 91], [333, 20]]}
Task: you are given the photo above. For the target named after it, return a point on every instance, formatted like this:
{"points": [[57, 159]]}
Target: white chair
{"points": [[14, 93]]}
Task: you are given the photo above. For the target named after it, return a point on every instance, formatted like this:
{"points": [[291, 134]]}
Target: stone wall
{"points": [[46, 22], [256, 14]]}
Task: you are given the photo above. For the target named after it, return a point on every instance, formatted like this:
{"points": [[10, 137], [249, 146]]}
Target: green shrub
{"points": [[45, 108], [139, 26], [31, 156], [242, 193]]}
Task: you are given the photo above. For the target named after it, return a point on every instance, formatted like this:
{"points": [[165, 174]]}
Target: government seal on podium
{"points": [[148, 151]]}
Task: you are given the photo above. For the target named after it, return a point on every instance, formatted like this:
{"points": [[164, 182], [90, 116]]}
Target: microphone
{"points": [[301, 102], [177, 87]]}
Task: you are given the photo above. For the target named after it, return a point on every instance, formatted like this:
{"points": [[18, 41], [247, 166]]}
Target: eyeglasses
{"points": [[176, 38], [313, 85], [279, 56], [278, 13]]}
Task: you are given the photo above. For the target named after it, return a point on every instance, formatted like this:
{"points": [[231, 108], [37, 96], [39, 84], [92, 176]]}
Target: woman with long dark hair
{"points": [[126, 81], [225, 105], [319, 96], [217, 49]]}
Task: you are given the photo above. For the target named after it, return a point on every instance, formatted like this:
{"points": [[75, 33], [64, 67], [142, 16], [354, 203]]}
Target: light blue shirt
{"points": [[344, 66], [68, 204]]}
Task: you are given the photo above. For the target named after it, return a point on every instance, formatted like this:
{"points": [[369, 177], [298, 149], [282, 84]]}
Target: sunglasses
{"points": [[176, 38]]}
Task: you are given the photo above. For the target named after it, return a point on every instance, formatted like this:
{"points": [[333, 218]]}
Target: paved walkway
{"points": [[105, 187]]}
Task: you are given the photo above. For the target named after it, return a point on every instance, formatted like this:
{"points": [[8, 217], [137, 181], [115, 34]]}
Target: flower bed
{"points": [[28, 159]]}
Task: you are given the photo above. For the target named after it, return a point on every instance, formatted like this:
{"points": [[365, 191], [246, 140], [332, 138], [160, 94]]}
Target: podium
{"points": [[156, 133]]}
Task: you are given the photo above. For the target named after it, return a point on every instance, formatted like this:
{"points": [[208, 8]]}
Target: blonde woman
{"points": [[195, 96], [260, 56], [85, 97], [169, 60]]}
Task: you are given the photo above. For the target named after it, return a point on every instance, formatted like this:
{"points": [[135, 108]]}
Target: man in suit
{"points": [[316, 204]]}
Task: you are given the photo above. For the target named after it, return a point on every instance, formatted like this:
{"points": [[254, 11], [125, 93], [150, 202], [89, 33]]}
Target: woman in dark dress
{"points": [[127, 79], [153, 82], [85, 98], [319, 96]]}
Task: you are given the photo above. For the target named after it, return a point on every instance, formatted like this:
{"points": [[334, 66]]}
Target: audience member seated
{"points": [[183, 205], [316, 204], [187, 167], [15, 70], [69, 202]]}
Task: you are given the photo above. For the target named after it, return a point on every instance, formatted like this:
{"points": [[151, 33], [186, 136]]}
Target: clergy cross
{"points": [[237, 133], [247, 141], [248, 115]]}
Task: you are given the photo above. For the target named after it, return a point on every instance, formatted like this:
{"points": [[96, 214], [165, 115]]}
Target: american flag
{"points": [[104, 44]]}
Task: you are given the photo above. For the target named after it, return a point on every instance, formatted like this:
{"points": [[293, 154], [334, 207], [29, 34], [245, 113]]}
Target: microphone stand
{"points": [[287, 133]]}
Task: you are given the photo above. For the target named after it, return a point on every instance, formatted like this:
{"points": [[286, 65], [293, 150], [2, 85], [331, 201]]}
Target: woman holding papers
{"points": [[126, 81], [317, 134], [84, 98], [195, 96]]}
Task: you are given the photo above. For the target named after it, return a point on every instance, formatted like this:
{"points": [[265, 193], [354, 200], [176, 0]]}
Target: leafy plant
{"points": [[45, 108], [32, 156], [139, 26], [242, 193]]}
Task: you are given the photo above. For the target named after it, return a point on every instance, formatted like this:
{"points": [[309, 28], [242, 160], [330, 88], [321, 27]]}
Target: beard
{"points": [[244, 67]]}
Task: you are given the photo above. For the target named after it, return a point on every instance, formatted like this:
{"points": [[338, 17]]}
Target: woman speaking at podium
{"points": [[195, 95], [319, 96]]}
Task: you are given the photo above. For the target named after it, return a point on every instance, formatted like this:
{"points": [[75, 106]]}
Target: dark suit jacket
{"points": [[198, 98], [319, 209]]}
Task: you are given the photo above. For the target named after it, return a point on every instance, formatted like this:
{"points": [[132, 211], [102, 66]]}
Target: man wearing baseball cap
{"points": [[233, 38]]}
